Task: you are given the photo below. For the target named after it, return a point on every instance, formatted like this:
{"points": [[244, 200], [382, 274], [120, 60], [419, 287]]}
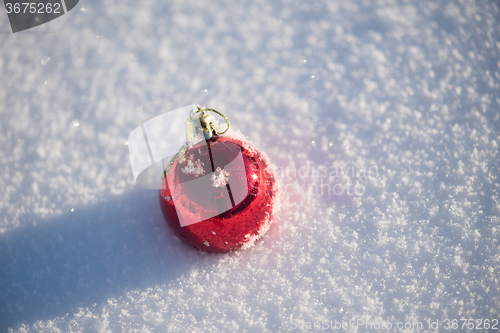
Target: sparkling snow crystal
{"points": [[193, 167], [220, 177]]}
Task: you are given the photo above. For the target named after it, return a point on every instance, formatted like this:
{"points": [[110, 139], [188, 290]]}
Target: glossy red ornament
{"points": [[220, 195]]}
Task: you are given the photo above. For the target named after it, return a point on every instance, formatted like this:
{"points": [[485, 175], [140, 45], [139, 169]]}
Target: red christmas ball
{"points": [[220, 195]]}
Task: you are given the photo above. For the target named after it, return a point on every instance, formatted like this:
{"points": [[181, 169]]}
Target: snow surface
{"points": [[382, 117]]}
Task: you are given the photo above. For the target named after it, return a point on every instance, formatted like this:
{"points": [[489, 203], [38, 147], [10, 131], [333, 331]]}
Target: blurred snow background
{"points": [[410, 88]]}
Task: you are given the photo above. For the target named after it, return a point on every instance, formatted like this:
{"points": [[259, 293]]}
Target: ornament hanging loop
{"points": [[210, 126], [193, 125]]}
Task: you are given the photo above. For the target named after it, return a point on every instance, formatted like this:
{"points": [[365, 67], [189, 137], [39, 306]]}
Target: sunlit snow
{"points": [[382, 119]]}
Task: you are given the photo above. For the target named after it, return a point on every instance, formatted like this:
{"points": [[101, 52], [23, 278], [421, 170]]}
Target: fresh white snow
{"points": [[382, 119]]}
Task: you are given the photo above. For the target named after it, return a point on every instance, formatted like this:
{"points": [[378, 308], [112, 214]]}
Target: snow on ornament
{"points": [[218, 192]]}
